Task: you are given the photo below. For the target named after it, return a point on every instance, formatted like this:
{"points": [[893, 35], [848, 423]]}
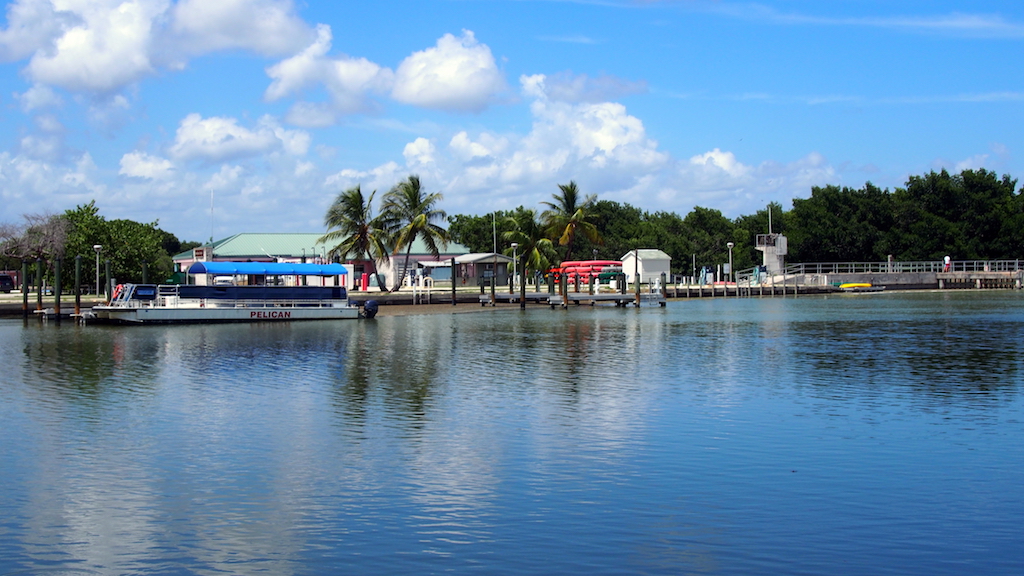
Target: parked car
{"points": [[6, 283]]}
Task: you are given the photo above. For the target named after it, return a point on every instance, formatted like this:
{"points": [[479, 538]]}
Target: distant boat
{"points": [[860, 287]]}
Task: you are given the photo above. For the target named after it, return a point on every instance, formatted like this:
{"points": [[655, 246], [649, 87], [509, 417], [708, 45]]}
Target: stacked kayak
{"points": [[584, 269]]}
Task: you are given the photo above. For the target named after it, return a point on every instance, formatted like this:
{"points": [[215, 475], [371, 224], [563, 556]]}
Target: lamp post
{"points": [[98, 248], [732, 275]]}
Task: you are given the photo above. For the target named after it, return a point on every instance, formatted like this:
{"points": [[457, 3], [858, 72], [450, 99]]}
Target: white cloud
{"points": [[601, 146], [38, 97], [33, 185], [311, 115], [268, 27], [227, 178], [382, 177], [718, 179], [49, 123], [349, 81], [45, 147], [457, 74], [218, 138], [574, 88], [487, 146], [101, 46], [107, 49], [973, 163], [31, 26], [419, 152], [142, 165]]}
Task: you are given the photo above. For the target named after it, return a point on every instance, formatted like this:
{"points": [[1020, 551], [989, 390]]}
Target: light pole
{"points": [[98, 248], [732, 275]]}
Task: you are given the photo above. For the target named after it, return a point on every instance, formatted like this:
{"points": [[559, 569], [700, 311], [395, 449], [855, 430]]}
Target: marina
{"points": [[813, 435]]}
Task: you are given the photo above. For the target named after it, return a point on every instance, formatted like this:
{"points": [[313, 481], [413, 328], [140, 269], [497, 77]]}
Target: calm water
{"points": [[876, 434]]}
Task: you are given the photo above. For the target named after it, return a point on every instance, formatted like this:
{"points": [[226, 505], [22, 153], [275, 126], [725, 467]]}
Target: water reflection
{"points": [[716, 436]]}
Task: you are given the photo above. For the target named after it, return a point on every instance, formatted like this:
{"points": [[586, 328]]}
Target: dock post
{"points": [[78, 285], [24, 288], [106, 285], [56, 289], [39, 283], [453, 282], [145, 272]]}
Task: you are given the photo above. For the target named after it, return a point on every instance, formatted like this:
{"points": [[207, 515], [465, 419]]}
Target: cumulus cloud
{"points": [[382, 177], [142, 165], [31, 25], [37, 185], [348, 81], [38, 97], [574, 88], [600, 146], [107, 49], [101, 46], [217, 139], [717, 178], [419, 152], [457, 74], [268, 27], [42, 147]]}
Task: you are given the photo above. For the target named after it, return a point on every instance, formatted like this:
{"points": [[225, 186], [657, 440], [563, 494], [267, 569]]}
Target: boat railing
{"points": [[169, 296]]}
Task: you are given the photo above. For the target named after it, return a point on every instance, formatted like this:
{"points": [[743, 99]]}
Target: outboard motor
{"points": [[369, 309]]}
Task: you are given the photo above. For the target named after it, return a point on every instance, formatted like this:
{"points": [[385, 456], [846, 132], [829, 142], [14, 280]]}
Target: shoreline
{"points": [[11, 308]]}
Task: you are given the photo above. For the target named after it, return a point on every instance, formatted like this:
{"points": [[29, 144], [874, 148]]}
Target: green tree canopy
{"points": [[409, 213], [355, 231], [126, 243], [567, 218]]}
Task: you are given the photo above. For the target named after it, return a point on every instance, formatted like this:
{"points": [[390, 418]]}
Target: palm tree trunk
{"points": [[405, 269]]}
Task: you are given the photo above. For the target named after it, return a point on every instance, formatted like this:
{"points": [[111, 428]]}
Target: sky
{"points": [[215, 118]]}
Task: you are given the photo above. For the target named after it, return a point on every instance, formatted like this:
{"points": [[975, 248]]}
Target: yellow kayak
{"points": [[855, 285]]}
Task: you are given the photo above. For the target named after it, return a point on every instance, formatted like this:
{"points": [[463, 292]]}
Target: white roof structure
{"points": [[482, 257]]}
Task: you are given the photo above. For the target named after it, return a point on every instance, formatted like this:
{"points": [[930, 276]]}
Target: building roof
{"points": [[647, 254], [291, 245], [484, 257], [267, 268]]}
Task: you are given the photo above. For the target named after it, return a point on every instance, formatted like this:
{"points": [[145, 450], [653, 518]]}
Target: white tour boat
{"points": [[234, 292]]}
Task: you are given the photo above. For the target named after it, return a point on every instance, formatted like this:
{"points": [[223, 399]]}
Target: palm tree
{"points": [[359, 234], [567, 216], [410, 214], [535, 250]]}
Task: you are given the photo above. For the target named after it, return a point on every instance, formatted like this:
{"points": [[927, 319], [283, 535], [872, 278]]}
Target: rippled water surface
{"points": [[875, 434]]}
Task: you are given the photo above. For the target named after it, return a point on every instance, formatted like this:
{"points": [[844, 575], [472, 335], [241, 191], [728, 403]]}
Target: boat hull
{"points": [[157, 315]]}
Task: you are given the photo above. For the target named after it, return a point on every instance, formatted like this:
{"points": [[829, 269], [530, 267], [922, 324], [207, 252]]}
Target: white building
{"points": [[649, 263]]}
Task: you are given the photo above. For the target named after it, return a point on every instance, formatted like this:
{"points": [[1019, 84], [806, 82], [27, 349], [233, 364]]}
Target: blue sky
{"points": [[272, 107]]}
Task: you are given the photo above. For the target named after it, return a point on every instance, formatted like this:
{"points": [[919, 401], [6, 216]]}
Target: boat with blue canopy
{"points": [[235, 292]]}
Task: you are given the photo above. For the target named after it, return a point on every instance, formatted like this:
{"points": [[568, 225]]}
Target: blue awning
{"points": [[267, 268]]}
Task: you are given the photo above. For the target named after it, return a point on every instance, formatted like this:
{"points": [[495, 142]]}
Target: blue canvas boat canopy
{"points": [[267, 268]]}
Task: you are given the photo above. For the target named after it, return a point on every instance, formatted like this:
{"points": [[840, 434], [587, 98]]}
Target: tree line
{"points": [[973, 215], [128, 245]]}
